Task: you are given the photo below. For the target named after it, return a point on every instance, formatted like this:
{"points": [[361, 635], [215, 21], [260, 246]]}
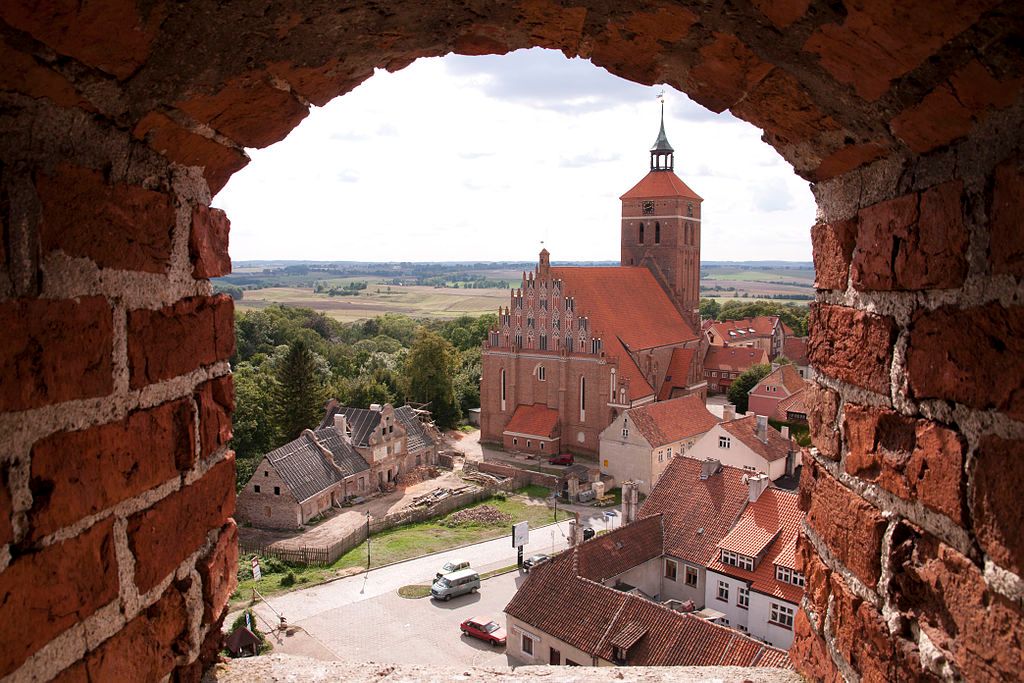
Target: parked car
{"points": [[455, 584], [533, 560], [485, 629], [588, 533], [452, 566], [563, 459]]}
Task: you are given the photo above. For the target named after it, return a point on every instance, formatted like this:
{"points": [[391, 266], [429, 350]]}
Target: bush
{"points": [[288, 580]]}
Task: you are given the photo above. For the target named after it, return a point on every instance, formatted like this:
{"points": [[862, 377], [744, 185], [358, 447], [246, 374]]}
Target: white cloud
{"points": [[481, 158]]}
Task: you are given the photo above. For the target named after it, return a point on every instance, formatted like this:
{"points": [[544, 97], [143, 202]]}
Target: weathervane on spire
{"points": [[662, 153]]}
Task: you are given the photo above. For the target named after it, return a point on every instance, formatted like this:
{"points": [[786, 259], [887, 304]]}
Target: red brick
{"points": [[208, 242], [781, 106], [179, 338], [913, 459], [216, 401], [146, 648], [76, 673], [726, 72], [817, 575], [6, 509], [972, 355], [219, 572], [822, 409], [996, 505], [980, 631], [84, 30], [45, 592], [117, 226], [1006, 246], [25, 75], [810, 655], [782, 13], [322, 83], [847, 523], [847, 158], [208, 654], [879, 40], [936, 121], [162, 537], [248, 110], [852, 345], [833, 252], [112, 463], [913, 242], [219, 161], [53, 351]]}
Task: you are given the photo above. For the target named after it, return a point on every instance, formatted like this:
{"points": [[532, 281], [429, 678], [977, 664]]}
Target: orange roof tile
{"points": [[697, 513], [795, 349], [776, 513], [613, 553], [785, 376], [790, 404], [667, 421], [747, 538], [736, 330], [744, 429], [660, 184], [733, 359], [678, 372], [536, 420]]}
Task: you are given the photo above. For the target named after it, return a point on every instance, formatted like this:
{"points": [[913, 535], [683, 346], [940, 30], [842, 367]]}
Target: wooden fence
{"points": [[321, 556]]}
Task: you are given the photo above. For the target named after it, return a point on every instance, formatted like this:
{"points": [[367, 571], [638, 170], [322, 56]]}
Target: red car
{"points": [[563, 459], [485, 629]]}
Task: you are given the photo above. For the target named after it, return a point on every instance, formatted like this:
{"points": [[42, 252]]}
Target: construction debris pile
{"points": [[431, 497], [417, 475], [482, 515]]}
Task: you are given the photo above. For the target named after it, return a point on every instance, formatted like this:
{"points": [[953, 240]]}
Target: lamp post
{"points": [[367, 540]]}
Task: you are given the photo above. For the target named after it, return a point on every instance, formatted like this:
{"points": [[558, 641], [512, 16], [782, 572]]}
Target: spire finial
{"points": [[662, 153]]}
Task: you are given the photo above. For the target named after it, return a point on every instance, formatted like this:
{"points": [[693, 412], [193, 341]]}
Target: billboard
{"points": [[520, 534]]}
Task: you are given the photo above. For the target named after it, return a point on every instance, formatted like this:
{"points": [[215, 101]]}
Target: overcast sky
{"points": [[482, 158]]}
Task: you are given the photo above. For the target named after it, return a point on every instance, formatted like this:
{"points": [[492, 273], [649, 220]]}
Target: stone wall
{"points": [[118, 120]]}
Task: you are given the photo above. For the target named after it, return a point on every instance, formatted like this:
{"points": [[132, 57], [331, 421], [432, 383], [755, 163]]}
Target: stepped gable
{"points": [[660, 183], [698, 513], [668, 421], [745, 429]]}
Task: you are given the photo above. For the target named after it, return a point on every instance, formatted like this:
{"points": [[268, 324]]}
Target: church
{"points": [[577, 346]]}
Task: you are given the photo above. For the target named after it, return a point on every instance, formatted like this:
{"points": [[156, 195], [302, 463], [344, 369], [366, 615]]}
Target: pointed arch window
{"points": [[640, 234], [689, 209], [657, 232], [583, 398]]}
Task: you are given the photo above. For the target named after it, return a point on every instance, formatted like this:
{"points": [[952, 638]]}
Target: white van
{"points": [[452, 566], [455, 584]]}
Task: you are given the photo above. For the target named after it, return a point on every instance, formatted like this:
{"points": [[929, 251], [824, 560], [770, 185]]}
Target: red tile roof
{"points": [[733, 359], [697, 513], [747, 538], [795, 349], [660, 184], [678, 373], [776, 513], [536, 420], [787, 376], [667, 421], [744, 429], [790, 404], [616, 552], [762, 326]]}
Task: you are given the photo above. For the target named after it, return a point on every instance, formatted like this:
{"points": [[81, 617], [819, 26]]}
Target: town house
{"points": [[750, 444], [777, 393]]}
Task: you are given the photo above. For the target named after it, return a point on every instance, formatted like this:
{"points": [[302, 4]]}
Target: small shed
{"points": [[243, 643]]}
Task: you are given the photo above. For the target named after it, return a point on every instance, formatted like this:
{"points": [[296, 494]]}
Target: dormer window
{"points": [[737, 560]]}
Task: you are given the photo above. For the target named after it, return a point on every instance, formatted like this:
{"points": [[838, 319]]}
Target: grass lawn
{"points": [[400, 543]]}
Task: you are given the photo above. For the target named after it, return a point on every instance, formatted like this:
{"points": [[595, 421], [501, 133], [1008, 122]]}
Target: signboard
{"points": [[520, 534], [256, 573]]}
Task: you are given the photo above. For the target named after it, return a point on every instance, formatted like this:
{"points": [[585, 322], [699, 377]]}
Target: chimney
{"points": [[575, 531], [756, 484], [629, 501], [728, 412], [709, 467], [762, 428], [785, 432], [341, 426]]}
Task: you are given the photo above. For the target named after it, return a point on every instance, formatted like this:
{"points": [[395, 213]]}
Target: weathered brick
{"points": [[188, 514], [912, 242], [850, 526], [980, 631], [111, 463], [810, 655], [6, 509], [833, 252], [208, 242], [208, 652], [216, 401], [822, 410], [781, 106], [146, 648], [847, 158], [53, 351], [25, 75], [852, 345], [44, 592], [219, 572], [179, 338], [861, 636], [817, 576], [970, 355], [1006, 246], [913, 459], [996, 505], [726, 72], [117, 226], [218, 161], [782, 13]]}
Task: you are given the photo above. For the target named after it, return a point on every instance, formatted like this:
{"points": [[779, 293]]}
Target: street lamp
{"points": [[367, 540]]}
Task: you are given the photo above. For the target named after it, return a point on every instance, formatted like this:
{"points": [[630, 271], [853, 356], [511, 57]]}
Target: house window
{"points": [[691, 576], [669, 453], [723, 442], [625, 427], [714, 374], [743, 597], [661, 456], [543, 342], [515, 441], [527, 645], [737, 560], [541, 372], [670, 570], [741, 628], [542, 445], [781, 615], [723, 590], [265, 473], [529, 444], [362, 483], [789, 575], [256, 488], [277, 490], [689, 209]]}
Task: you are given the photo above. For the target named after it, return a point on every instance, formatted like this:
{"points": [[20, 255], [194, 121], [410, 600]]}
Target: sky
{"points": [[484, 158]]}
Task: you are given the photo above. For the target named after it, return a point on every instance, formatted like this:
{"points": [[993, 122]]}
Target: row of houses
{"points": [[706, 574]]}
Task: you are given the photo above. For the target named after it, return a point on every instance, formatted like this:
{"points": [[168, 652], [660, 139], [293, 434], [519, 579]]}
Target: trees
{"points": [[709, 308], [794, 316], [744, 383], [301, 389], [430, 370]]}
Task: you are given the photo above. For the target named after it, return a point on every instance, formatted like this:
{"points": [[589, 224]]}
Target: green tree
{"points": [[430, 369], [709, 308], [254, 425], [744, 383], [301, 389]]}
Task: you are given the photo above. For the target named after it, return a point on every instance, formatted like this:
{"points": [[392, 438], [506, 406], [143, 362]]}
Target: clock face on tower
{"points": [[647, 207]]}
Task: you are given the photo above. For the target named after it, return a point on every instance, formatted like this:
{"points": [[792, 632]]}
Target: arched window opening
{"points": [[657, 233], [640, 235]]}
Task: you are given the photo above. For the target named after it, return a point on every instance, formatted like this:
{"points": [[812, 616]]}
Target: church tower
{"points": [[661, 229]]}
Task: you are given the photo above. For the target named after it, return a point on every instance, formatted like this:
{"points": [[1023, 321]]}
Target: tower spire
{"points": [[662, 154]]}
